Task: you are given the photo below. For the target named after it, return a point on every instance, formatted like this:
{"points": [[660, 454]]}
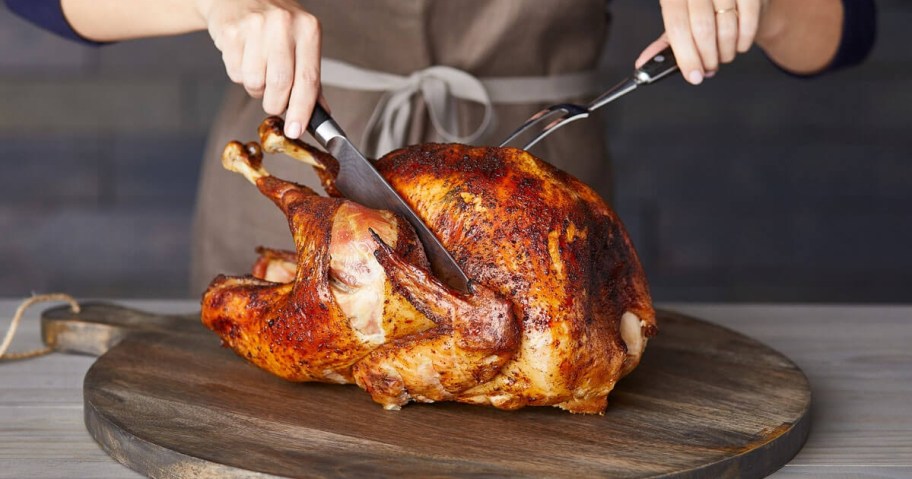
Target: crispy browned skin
{"points": [[362, 285], [546, 241], [560, 310]]}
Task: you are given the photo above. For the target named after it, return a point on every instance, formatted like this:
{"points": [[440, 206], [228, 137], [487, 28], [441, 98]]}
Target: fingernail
{"points": [[293, 130], [710, 74], [695, 77]]}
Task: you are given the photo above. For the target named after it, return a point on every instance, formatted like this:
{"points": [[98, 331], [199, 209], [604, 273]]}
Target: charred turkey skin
{"points": [[560, 309]]}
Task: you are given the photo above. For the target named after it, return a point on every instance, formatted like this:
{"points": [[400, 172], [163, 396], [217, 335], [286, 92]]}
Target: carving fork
{"points": [[550, 119]]}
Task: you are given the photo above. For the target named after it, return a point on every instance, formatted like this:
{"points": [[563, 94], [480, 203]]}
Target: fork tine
{"points": [[550, 114], [554, 126]]}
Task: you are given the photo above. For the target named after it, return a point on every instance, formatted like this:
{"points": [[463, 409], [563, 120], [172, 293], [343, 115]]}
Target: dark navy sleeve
{"points": [[48, 15], [859, 31]]}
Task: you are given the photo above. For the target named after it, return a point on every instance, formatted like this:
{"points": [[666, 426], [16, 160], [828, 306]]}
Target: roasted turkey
{"points": [[559, 309]]}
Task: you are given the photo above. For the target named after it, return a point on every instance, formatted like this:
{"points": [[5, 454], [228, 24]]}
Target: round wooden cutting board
{"points": [[166, 400]]}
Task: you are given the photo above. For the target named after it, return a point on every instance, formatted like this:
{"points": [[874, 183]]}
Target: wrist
{"points": [[203, 7], [801, 36], [772, 24]]}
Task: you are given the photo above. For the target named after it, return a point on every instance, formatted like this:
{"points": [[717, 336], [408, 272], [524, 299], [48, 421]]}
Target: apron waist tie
{"points": [[440, 86]]}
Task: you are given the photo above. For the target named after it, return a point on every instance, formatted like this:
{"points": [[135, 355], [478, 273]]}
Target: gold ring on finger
{"points": [[726, 10]]}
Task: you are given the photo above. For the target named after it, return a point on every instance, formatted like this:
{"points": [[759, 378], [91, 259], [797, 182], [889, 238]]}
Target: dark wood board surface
{"points": [[168, 401]]}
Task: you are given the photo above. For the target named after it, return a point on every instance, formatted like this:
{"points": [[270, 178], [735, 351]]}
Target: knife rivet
{"points": [[659, 58]]}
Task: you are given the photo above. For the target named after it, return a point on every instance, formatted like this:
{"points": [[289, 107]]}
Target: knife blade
{"points": [[360, 181]]}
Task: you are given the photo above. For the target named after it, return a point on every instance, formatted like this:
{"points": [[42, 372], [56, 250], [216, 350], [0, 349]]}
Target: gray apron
{"points": [[488, 39]]}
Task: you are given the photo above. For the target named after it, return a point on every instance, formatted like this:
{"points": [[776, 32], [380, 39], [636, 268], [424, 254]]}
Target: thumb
{"points": [[654, 48]]}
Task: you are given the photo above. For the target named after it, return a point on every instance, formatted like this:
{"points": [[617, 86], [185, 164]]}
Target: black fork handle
{"points": [[659, 66]]}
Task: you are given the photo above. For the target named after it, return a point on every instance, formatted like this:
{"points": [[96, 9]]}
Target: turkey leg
{"points": [[274, 141], [473, 338]]}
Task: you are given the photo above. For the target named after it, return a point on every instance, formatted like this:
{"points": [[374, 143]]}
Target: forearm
{"points": [[113, 20], [801, 36]]}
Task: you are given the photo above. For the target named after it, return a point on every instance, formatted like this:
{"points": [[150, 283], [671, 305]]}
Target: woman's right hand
{"points": [[272, 48], [706, 33]]}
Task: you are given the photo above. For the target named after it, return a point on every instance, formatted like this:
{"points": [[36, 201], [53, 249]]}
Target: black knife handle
{"points": [[317, 118], [322, 127]]}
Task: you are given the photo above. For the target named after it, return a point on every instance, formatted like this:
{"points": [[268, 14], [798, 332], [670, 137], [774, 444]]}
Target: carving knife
{"points": [[359, 181]]}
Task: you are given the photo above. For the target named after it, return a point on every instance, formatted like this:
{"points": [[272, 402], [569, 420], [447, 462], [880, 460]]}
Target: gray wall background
{"points": [[754, 187]]}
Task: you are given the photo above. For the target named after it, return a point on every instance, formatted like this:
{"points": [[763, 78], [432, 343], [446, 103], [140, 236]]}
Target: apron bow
{"points": [[438, 86]]}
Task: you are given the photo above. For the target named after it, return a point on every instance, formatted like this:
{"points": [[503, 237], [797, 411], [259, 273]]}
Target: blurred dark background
{"points": [[756, 186]]}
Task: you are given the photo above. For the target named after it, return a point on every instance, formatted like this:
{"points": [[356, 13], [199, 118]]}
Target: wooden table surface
{"points": [[858, 360]]}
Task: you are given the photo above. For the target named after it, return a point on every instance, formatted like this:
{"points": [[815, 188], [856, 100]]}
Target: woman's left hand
{"points": [[706, 33]]}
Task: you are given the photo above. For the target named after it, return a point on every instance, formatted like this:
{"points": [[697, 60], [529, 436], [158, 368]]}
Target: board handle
{"points": [[99, 326]]}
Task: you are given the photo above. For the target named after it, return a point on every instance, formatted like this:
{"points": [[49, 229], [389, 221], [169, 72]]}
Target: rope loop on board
{"points": [[17, 317]]}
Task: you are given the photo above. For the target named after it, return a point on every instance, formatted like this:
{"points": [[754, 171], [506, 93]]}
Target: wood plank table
{"points": [[858, 360]]}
